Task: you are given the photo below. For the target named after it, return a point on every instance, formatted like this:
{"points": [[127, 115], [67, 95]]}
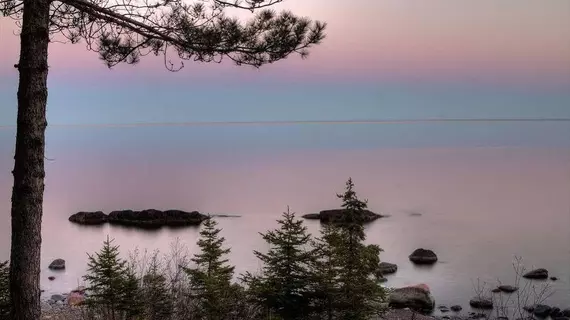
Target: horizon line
{"points": [[295, 122]]}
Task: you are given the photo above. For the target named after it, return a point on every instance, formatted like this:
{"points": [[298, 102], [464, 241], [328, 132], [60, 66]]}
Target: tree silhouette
{"points": [[120, 31]]}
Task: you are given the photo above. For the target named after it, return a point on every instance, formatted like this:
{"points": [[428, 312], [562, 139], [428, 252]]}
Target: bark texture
{"points": [[27, 194]]}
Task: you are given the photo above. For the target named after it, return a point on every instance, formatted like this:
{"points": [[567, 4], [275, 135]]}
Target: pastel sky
{"points": [[382, 59]]}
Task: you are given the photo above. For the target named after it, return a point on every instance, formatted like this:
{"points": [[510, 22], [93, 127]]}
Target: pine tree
{"points": [[359, 293], [284, 287], [210, 280], [4, 290], [113, 287], [157, 299]]}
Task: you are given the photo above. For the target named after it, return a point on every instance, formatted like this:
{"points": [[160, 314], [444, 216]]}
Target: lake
{"points": [[486, 193]]}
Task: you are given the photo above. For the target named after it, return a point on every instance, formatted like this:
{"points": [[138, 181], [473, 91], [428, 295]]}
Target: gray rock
{"points": [[481, 303], [387, 268], [57, 264], [415, 297], [423, 256], [542, 311], [456, 308], [507, 288], [537, 274], [57, 297]]}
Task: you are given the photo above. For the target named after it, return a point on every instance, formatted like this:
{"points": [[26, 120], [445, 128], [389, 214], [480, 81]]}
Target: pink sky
{"points": [[512, 40]]}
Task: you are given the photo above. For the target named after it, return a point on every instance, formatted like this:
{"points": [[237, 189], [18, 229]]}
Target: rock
{"points": [[496, 290], [57, 297], [387, 268], [507, 288], [444, 310], [155, 218], [553, 278], [417, 297], [423, 256], [456, 308], [333, 215], [89, 218], [537, 274], [555, 313], [528, 308], [542, 311], [566, 312], [481, 303], [51, 278], [75, 299], [57, 264]]}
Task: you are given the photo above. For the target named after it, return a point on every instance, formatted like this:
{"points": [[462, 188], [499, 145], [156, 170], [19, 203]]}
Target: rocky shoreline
{"points": [[149, 218]]}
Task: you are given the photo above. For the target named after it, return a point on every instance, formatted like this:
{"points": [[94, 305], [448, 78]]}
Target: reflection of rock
{"points": [[57, 264], [423, 256], [507, 288], [387, 268], [537, 274], [416, 297], [335, 214], [481, 303]]}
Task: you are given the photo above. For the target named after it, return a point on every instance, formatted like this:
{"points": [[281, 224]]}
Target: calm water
{"points": [[485, 194]]}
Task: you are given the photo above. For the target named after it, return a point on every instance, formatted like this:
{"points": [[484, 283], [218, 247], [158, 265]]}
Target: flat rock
{"points": [[537, 274], [507, 288], [57, 264], [333, 215], [387, 268], [416, 297], [481, 303], [423, 256]]}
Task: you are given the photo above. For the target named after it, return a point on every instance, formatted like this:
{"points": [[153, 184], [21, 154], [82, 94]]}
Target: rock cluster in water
{"points": [[326, 216], [149, 218]]}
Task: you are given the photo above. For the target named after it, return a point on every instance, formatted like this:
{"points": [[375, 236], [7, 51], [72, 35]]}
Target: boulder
{"points": [[387, 268], [57, 264], [542, 311], [89, 218], [423, 256], [333, 215], [481, 303], [417, 297], [456, 308], [537, 274], [152, 218], [507, 288]]}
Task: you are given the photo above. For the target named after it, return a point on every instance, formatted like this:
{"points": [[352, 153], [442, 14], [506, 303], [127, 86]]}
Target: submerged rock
{"points": [[417, 297], [423, 256], [481, 303], [57, 264], [537, 274], [332, 215], [507, 288]]}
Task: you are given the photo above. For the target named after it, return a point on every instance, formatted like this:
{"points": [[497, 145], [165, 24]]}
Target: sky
{"points": [[382, 59]]}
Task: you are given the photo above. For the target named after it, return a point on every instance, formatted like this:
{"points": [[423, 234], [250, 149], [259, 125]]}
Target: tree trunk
{"points": [[28, 190]]}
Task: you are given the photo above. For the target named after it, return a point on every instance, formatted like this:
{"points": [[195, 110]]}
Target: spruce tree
{"points": [[113, 287], [325, 271], [210, 279], [158, 302], [359, 292], [284, 287]]}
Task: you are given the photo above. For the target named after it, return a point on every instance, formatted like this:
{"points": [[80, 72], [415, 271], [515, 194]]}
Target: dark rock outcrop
{"points": [[57, 264], [481, 303], [542, 311], [537, 274], [387, 268], [507, 288], [155, 218], [332, 215], [417, 298], [423, 256], [89, 218], [150, 218], [456, 308], [566, 312]]}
